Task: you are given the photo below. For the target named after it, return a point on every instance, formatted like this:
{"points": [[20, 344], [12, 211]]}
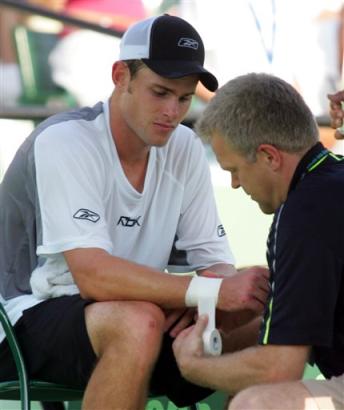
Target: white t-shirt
{"points": [[84, 200]]}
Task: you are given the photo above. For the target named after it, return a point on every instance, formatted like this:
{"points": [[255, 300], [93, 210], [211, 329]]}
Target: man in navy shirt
{"points": [[263, 133]]}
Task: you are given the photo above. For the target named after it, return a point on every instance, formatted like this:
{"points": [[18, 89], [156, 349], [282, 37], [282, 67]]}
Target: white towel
{"points": [[52, 279]]}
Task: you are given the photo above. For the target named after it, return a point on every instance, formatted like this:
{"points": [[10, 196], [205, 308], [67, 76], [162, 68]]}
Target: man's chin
{"points": [[266, 209], [161, 143], [162, 140]]}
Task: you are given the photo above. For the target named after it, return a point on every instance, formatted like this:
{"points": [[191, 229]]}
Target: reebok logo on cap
{"points": [[169, 46], [188, 42]]}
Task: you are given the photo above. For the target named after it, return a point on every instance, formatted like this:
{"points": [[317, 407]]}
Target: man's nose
{"points": [[172, 108], [235, 182]]}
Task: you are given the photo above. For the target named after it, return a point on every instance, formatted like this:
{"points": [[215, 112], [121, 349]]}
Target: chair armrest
{"points": [[17, 355]]}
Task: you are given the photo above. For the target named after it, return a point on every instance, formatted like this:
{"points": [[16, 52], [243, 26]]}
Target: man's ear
{"points": [[120, 74], [270, 155]]}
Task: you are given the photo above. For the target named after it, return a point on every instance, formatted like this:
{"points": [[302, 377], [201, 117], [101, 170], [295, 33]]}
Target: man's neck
{"points": [[289, 165]]}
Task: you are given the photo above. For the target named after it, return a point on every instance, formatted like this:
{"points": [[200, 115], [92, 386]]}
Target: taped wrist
{"points": [[202, 288]]}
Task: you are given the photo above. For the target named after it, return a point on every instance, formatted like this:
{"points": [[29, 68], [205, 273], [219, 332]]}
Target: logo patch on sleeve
{"points": [[86, 214], [221, 231]]}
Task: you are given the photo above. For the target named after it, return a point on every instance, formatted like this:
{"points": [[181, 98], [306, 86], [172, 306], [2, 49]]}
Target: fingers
{"points": [[261, 295], [182, 323], [197, 329], [200, 325], [184, 334], [337, 112], [337, 97], [336, 121], [338, 135], [171, 317], [248, 289], [191, 337]]}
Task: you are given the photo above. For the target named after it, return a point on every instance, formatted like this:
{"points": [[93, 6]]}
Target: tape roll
{"points": [[212, 342]]}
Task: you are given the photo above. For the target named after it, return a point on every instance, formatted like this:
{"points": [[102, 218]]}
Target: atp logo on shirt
{"points": [[128, 222], [83, 213]]}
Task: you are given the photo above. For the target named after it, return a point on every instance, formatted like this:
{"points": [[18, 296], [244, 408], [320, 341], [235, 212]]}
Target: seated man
{"points": [[95, 206], [263, 133]]}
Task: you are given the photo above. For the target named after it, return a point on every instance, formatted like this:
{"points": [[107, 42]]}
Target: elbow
{"points": [[86, 295], [280, 373], [90, 292], [88, 288], [284, 363]]}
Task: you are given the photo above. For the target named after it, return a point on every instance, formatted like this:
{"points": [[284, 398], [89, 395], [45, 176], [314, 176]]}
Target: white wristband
{"points": [[202, 287]]}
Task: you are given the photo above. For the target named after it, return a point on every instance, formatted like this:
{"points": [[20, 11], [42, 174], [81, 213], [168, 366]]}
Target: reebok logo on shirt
{"points": [[128, 222], [221, 231], [86, 214]]}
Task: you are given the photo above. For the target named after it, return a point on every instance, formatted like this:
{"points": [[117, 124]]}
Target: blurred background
{"points": [[57, 54]]}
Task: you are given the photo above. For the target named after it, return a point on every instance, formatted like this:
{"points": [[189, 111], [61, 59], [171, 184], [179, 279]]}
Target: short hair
{"points": [[256, 109], [134, 66]]}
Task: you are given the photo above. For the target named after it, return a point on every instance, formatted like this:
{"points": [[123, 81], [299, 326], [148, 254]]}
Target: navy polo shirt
{"points": [[306, 259]]}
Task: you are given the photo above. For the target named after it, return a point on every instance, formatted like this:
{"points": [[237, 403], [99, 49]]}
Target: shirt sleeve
{"points": [[201, 239], [70, 194]]}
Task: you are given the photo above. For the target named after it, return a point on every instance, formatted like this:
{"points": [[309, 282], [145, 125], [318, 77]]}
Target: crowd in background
{"points": [[298, 40]]}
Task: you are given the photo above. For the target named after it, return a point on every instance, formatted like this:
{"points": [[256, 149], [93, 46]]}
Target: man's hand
{"points": [[178, 319], [228, 321], [246, 290], [188, 346], [336, 112]]}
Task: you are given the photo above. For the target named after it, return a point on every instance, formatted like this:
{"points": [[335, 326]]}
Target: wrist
{"points": [[202, 288]]}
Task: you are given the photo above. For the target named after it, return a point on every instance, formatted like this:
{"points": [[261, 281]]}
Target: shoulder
{"points": [[315, 208], [69, 128]]}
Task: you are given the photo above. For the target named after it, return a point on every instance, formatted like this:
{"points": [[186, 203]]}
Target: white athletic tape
{"points": [[202, 287], [212, 342], [341, 129]]}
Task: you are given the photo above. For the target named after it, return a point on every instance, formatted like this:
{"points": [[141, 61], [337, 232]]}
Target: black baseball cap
{"points": [[169, 46]]}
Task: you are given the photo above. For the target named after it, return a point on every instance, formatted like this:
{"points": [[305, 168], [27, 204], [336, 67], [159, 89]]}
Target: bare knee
{"points": [[127, 324], [251, 398], [286, 396]]}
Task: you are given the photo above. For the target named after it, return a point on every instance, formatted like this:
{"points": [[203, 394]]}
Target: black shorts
{"points": [[56, 348]]}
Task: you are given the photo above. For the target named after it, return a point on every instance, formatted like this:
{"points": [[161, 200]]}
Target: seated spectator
{"points": [[73, 59]]}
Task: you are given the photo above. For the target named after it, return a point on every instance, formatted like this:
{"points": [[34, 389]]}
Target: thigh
{"points": [[168, 381], [328, 394], [54, 342]]}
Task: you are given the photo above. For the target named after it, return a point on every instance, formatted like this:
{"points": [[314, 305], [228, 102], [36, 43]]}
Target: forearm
{"points": [[236, 371], [242, 337], [101, 276], [220, 269]]}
